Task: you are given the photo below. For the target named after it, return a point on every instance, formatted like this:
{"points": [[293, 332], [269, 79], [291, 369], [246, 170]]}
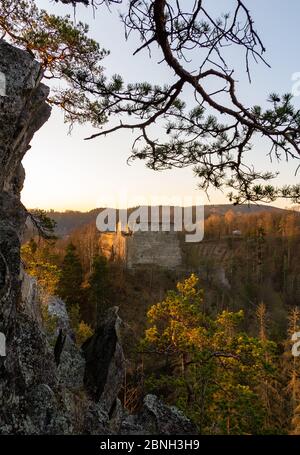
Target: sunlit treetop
{"points": [[62, 47]]}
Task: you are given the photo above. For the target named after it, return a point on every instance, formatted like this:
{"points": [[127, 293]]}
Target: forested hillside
{"points": [[69, 220], [184, 327]]}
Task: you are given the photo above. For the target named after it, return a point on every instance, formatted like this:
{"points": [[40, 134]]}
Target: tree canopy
{"points": [[213, 371], [215, 135]]}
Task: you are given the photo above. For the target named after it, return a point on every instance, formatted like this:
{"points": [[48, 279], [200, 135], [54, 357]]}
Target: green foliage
{"points": [[83, 332], [81, 329], [43, 223], [38, 265], [71, 277], [63, 48], [214, 368]]}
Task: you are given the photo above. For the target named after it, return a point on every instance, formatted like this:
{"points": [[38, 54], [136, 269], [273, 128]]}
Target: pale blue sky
{"points": [[65, 172]]}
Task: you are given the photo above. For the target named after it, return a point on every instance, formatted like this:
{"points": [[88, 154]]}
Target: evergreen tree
{"points": [[98, 287], [69, 285], [44, 224]]}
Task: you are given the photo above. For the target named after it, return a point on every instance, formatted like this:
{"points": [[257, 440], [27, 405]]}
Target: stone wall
{"points": [[143, 248], [153, 248]]}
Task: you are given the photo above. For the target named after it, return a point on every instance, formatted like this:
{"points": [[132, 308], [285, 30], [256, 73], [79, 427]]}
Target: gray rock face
{"points": [[71, 367], [23, 111], [157, 418]]}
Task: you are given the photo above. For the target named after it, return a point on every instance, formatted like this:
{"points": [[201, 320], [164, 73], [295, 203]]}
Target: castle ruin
{"points": [[158, 247]]}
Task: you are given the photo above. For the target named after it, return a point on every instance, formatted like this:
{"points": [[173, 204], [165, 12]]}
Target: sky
{"points": [[64, 172]]}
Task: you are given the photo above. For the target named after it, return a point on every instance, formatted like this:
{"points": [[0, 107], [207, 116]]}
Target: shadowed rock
{"points": [[105, 363]]}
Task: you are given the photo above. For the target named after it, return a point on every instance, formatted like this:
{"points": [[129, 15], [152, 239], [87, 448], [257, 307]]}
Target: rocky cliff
{"points": [[23, 111], [47, 384]]}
